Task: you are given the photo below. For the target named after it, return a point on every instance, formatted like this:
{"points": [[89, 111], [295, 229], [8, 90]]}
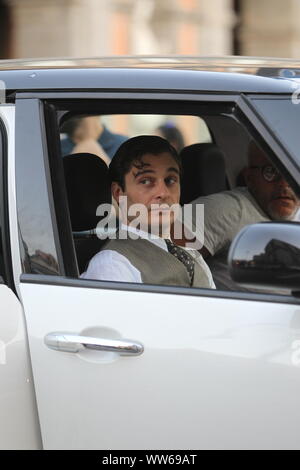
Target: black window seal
{"points": [[48, 178], [131, 94], [4, 209], [58, 188]]}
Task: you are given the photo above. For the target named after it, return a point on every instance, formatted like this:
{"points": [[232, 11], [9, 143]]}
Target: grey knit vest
{"points": [[156, 265]]}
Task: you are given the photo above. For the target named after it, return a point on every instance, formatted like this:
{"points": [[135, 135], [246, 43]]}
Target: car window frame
{"points": [[62, 279], [6, 277]]}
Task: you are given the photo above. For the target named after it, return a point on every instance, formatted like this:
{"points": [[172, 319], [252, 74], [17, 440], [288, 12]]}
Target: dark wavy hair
{"points": [[132, 151]]}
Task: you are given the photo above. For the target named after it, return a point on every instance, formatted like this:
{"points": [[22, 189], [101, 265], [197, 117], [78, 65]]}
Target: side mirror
{"points": [[267, 254]]}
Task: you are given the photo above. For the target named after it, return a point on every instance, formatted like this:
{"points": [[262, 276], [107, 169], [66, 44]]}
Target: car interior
{"points": [[213, 158]]}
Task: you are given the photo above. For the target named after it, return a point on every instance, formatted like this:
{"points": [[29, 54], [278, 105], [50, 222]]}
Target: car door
{"points": [[18, 410], [202, 369]]}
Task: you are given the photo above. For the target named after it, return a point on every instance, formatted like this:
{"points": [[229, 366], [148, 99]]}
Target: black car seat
{"points": [[87, 185], [203, 171]]}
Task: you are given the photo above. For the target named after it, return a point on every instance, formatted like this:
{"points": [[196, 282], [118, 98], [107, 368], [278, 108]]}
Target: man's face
{"points": [[154, 180], [275, 197]]}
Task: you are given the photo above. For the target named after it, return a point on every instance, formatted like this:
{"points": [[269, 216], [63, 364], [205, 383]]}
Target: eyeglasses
{"points": [[268, 172]]}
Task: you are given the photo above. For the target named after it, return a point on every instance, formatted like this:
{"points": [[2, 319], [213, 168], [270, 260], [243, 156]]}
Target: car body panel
{"points": [[20, 427], [215, 373], [141, 79]]}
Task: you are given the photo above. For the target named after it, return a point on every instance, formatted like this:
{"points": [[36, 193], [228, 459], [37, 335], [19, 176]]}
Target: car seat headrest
{"points": [[87, 186], [203, 171]]}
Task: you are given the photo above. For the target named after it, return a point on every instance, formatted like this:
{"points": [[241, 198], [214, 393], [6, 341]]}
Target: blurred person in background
{"points": [[88, 134], [170, 132]]}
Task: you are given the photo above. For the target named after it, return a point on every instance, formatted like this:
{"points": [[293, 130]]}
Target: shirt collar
{"points": [[140, 233], [158, 241]]}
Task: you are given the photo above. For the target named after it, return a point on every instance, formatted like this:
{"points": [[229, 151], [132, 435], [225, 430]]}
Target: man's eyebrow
{"points": [[142, 172], [172, 168]]}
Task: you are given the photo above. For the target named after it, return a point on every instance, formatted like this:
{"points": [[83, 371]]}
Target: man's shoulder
{"points": [[236, 196], [124, 242], [231, 196], [242, 195]]}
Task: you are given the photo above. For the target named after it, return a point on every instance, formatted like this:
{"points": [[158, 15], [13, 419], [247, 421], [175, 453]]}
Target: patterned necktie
{"points": [[182, 256]]}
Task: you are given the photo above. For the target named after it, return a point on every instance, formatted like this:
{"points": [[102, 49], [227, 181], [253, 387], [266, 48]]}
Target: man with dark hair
{"points": [[132, 154], [145, 171]]}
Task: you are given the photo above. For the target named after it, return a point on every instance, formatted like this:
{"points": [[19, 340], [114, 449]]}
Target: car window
{"points": [[225, 142], [283, 116], [40, 251], [101, 136], [79, 177], [77, 131]]}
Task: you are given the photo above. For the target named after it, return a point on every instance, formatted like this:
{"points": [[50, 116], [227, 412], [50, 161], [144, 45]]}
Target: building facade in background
{"points": [[87, 28], [75, 28]]}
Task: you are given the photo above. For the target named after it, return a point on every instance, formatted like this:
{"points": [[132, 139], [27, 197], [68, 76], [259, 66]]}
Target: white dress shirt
{"points": [[109, 265]]}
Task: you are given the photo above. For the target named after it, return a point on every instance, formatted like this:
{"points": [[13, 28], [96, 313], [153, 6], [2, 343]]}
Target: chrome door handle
{"points": [[69, 342]]}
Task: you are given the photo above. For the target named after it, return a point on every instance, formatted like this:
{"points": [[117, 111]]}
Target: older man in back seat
{"points": [[267, 196]]}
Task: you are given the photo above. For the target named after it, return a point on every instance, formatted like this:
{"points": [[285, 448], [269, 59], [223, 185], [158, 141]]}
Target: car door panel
{"points": [[17, 399], [213, 373]]}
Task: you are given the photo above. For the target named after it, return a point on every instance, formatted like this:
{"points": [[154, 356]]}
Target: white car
{"points": [[107, 365]]}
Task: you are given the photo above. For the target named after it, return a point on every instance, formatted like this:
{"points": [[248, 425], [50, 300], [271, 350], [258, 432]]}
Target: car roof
{"points": [[173, 73]]}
